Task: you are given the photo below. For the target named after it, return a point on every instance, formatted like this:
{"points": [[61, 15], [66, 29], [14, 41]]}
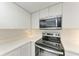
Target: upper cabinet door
{"points": [[35, 20], [13, 17], [44, 13], [71, 15], [55, 10]]}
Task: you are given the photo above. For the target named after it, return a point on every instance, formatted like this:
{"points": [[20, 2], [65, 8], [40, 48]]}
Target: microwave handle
{"points": [[46, 49], [56, 22]]}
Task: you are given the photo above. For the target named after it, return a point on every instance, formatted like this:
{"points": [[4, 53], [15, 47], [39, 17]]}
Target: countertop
{"points": [[10, 44]]}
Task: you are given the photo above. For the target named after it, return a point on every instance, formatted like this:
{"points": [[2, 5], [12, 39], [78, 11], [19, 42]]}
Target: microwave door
{"points": [[51, 23]]}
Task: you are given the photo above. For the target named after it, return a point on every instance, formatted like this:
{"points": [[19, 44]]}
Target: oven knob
{"points": [[57, 34], [56, 45]]}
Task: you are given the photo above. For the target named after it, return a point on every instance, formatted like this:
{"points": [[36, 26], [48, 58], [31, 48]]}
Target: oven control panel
{"points": [[53, 34]]}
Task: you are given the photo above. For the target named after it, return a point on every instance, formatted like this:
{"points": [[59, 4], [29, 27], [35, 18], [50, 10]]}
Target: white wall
{"points": [[12, 16], [70, 15]]}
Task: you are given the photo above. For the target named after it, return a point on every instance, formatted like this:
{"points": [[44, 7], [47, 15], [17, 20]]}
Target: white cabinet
{"points": [[32, 48], [70, 53], [35, 20], [13, 17], [44, 13], [71, 15], [24, 50], [55, 10]]}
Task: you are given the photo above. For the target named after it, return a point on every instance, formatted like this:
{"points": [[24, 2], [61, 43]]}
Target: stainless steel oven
{"points": [[51, 23], [49, 45]]}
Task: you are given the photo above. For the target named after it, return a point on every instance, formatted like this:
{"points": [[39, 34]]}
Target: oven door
{"points": [[43, 51]]}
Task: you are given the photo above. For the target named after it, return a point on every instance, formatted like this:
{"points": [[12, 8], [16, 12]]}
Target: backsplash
{"points": [[10, 33], [16, 34], [70, 39]]}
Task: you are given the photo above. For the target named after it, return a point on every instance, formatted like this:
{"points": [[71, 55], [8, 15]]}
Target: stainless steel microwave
{"points": [[51, 23]]}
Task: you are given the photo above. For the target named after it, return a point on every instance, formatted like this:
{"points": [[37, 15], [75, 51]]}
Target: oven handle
{"points": [[49, 50]]}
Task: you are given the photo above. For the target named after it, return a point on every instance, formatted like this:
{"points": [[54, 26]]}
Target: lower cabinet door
{"points": [[24, 50], [70, 53]]}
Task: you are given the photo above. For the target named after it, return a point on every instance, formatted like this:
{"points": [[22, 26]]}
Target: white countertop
{"points": [[8, 45]]}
